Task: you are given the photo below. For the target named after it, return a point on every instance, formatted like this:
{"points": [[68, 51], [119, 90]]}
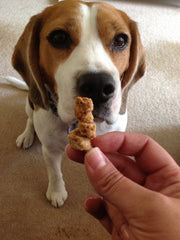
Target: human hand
{"points": [[138, 199]]}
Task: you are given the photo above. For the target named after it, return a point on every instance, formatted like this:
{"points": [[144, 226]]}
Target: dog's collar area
{"points": [[52, 98], [72, 126], [52, 104], [122, 77]]}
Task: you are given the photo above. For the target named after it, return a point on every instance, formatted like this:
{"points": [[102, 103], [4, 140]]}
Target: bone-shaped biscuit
{"points": [[80, 138]]}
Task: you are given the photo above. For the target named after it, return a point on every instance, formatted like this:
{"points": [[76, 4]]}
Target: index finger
{"points": [[75, 155], [149, 155]]}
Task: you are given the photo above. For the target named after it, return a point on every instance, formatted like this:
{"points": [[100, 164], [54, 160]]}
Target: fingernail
{"points": [[95, 158]]}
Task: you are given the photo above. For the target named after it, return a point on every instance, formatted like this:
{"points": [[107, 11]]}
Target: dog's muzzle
{"points": [[100, 87]]}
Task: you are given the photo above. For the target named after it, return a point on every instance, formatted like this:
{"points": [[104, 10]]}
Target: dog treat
{"points": [[80, 138]]}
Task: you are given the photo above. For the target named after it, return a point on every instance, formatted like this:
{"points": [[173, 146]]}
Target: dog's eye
{"points": [[59, 39], [119, 42]]}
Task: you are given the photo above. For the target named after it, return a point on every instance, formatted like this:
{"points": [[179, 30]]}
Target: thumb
{"points": [[112, 184]]}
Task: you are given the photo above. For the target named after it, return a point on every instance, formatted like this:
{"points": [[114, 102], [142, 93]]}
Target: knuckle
{"points": [[109, 183]]}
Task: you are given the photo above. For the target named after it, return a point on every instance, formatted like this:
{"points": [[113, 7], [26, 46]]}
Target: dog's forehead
{"points": [[112, 19], [61, 15], [69, 15]]}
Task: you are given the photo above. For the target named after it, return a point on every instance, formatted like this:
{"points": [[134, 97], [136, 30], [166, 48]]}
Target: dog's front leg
{"points": [[56, 192], [25, 140]]}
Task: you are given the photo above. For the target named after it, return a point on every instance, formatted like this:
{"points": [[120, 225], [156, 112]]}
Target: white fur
{"points": [[119, 125], [51, 129], [25, 140], [52, 134]]}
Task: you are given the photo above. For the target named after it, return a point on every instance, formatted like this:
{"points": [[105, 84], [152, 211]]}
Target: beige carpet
{"points": [[154, 109]]}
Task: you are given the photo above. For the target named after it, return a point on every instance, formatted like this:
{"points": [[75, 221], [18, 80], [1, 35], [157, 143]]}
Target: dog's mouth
{"points": [[74, 123]]}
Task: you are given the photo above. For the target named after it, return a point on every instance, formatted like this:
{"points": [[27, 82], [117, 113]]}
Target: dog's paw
{"points": [[25, 140], [57, 199]]}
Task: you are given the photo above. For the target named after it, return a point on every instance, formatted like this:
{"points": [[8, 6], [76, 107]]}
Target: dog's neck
{"points": [[53, 99]]}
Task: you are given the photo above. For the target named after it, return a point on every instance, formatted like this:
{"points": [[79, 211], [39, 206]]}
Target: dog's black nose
{"points": [[99, 87]]}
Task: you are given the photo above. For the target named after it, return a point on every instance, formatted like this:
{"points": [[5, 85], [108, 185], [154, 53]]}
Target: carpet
{"points": [[153, 109]]}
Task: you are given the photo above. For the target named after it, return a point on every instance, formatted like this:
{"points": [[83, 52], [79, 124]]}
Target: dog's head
{"points": [[81, 49]]}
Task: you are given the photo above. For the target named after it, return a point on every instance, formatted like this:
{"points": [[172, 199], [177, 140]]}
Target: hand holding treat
{"points": [[136, 198], [80, 138]]}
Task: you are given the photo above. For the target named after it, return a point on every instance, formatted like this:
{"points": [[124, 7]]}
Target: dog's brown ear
{"points": [[25, 60], [137, 64]]}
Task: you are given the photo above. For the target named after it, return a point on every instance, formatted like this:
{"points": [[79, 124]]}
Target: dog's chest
{"points": [[50, 130]]}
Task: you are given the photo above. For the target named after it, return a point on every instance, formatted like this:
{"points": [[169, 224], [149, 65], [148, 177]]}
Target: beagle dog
{"points": [[71, 49]]}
